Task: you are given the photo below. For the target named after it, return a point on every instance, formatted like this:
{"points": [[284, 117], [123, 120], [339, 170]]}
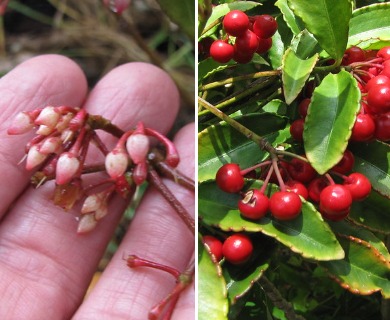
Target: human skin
{"points": [[45, 266]]}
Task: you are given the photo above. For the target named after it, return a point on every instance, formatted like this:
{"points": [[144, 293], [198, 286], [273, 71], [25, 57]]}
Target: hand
{"points": [[45, 266]]}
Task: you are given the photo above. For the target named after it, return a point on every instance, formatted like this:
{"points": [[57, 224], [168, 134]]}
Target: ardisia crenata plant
{"points": [[58, 153], [294, 172]]}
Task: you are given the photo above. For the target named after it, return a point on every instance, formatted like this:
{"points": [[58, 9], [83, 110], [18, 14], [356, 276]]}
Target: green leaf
{"points": [[208, 67], [305, 45], [369, 24], [220, 144], [182, 13], [363, 270], [307, 235], [295, 72], [373, 160], [293, 22], [331, 116], [328, 21], [372, 213], [221, 10], [212, 294]]}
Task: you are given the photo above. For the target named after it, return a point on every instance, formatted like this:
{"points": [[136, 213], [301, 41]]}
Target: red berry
{"points": [[221, 51], [358, 185], [303, 106], [265, 26], [353, 54], [335, 202], [384, 53], [378, 98], [285, 205], [247, 42], [237, 249], [215, 246], [254, 205], [298, 188], [264, 45], [235, 23], [229, 178], [241, 56], [301, 170], [346, 163], [378, 80], [364, 128], [296, 129], [316, 186], [382, 127]]}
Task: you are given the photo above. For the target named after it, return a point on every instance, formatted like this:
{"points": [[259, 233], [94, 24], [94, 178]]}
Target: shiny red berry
{"points": [[237, 249], [335, 202], [285, 205], [378, 80], [364, 128], [221, 51], [265, 26], [296, 129], [264, 45], [298, 188], [247, 42], [229, 178], [382, 127], [378, 98], [254, 205], [353, 54], [384, 53], [315, 188], [358, 185], [346, 163], [235, 23], [215, 246], [301, 171]]}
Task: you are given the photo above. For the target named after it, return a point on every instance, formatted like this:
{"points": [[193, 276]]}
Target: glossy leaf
{"points": [[370, 24], [331, 116], [182, 13], [208, 67], [212, 294], [295, 72], [293, 22], [305, 45], [328, 21], [373, 160], [221, 143], [363, 271], [307, 235]]}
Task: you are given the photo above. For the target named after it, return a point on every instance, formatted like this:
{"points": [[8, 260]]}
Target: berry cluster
{"points": [[250, 35], [59, 152], [297, 179], [236, 248]]}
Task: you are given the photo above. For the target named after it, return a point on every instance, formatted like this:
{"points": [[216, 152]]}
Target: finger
{"points": [[36, 83], [156, 233], [60, 263]]}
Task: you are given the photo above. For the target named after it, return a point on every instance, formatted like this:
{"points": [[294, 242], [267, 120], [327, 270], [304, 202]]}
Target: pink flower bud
{"points": [[67, 135], [91, 203], [116, 162], [22, 123], [86, 224], [34, 157], [137, 146], [67, 166], [44, 130], [140, 173], [101, 212], [117, 6], [48, 117], [51, 145], [64, 121], [172, 157]]}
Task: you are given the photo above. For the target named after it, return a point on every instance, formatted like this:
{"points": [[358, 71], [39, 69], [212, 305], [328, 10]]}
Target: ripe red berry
{"points": [[378, 80], [301, 170], [296, 129], [221, 51], [364, 128], [264, 45], [298, 188], [254, 205], [229, 178], [378, 98], [235, 23], [358, 185], [303, 106], [241, 56], [384, 53], [265, 26], [247, 42], [315, 187], [353, 54], [335, 202], [237, 249], [346, 163], [215, 246], [382, 127], [285, 205]]}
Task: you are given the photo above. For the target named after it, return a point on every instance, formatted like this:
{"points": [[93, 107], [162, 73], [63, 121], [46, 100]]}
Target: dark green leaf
{"points": [[328, 21], [212, 294], [331, 116], [307, 235]]}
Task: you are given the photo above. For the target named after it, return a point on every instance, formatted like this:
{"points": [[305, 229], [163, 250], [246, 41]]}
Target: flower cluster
{"points": [[59, 149]]}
